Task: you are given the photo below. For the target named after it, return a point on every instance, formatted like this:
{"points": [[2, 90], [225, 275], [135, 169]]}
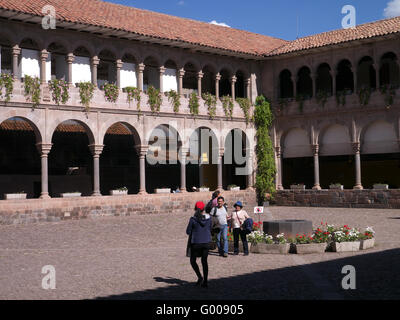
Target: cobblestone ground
{"points": [[143, 257]]}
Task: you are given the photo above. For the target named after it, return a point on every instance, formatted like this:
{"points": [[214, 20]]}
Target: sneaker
{"points": [[225, 255]]}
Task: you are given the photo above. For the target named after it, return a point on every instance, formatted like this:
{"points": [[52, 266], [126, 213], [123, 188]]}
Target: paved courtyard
{"points": [[143, 257]]}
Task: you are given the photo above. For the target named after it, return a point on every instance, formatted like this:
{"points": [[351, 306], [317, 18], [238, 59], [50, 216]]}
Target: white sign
{"points": [[259, 210]]}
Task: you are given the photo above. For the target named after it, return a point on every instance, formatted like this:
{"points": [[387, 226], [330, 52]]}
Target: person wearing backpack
{"points": [[220, 214], [199, 232], [238, 218], [213, 202]]}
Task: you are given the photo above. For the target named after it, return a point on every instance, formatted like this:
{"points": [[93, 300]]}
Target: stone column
{"points": [[44, 149], [233, 82], [333, 75], [96, 152], [248, 91], [354, 70], [70, 59], [140, 69], [43, 58], [315, 148], [118, 65], [183, 154], [200, 76], [294, 81], [279, 168], [95, 63], [220, 154], [181, 73], [142, 150], [162, 71], [217, 79], [377, 78], [16, 51], [356, 149], [314, 84], [250, 175]]}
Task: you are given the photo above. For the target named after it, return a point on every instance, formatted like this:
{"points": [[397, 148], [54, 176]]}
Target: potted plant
{"points": [[71, 194], [381, 186], [15, 196], [304, 244], [119, 192], [204, 189], [297, 186], [233, 187], [346, 239], [264, 244], [336, 186], [367, 239], [162, 190]]}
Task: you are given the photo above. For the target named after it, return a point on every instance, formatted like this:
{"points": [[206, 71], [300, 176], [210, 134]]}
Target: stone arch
{"points": [[83, 44], [379, 137], [335, 139], [193, 62], [32, 124], [106, 70], [225, 82], [151, 74], [8, 37], [366, 74], [240, 85], [304, 83], [208, 81], [324, 79], [295, 143], [389, 73], [81, 120], [35, 120], [190, 78], [345, 77], [133, 131]]}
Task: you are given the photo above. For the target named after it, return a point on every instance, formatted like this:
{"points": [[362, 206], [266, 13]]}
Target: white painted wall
{"points": [[380, 137], [30, 63], [81, 71], [128, 75], [297, 144], [335, 141], [170, 81]]}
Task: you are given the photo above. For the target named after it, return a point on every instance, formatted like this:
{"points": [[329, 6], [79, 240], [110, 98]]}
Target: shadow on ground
{"points": [[377, 277]]}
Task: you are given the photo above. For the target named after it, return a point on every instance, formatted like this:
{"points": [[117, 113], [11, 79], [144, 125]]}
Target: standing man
{"points": [[220, 212]]}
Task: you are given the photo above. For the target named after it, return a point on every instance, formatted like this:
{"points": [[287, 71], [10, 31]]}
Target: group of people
{"points": [[215, 217]]}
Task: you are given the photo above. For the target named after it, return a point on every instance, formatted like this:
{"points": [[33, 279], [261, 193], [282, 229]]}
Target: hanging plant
{"points": [[32, 90], [322, 97], [194, 103], [133, 93], [389, 91], [86, 90], [211, 103], [227, 104], [59, 91], [341, 98], [266, 168], [174, 98], [363, 95], [245, 105], [111, 92], [300, 99], [7, 82], [155, 99], [283, 102]]}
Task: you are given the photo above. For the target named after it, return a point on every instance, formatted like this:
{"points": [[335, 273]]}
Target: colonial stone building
{"points": [[333, 95]]}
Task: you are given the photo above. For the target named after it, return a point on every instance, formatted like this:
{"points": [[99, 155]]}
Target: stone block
{"points": [[288, 227]]}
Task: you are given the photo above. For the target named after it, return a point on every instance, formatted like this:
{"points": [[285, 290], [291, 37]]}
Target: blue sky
{"points": [[277, 18]]}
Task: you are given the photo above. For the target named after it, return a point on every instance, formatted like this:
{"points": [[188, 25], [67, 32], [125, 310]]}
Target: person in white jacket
{"points": [[237, 219]]}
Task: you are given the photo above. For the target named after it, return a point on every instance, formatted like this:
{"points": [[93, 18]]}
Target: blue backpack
{"points": [[248, 225]]}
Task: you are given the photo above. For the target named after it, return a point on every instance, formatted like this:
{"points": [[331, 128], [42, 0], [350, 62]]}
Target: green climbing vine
{"points": [[364, 94], [111, 92], [174, 98], [59, 91], [86, 90], [322, 97], [211, 102], [155, 99], [389, 91], [133, 93], [227, 104], [266, 168], [32, 90], [7, 82], [194, 103], [245, 105]]}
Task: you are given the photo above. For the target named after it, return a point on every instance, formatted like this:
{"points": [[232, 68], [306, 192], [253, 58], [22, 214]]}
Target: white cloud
{"points": [[222, 24], [392, 9]]}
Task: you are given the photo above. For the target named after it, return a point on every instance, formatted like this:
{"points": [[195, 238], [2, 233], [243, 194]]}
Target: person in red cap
{"points": [[199, 231]]}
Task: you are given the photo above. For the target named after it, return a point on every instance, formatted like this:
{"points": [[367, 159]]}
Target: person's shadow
{"points": [[171, 280]]}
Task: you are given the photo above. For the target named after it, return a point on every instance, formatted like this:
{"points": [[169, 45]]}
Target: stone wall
{"points": [[57, 209], [342, 199]]}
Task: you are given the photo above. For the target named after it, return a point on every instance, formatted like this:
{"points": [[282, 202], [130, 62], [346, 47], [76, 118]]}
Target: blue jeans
{"points": [[224, 232]]}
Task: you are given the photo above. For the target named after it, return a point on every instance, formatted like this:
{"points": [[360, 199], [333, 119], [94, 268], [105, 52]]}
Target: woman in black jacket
{"points": [[199, 229]]}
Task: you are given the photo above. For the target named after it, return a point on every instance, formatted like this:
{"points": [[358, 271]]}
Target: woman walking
{"points": [[199, 228]]}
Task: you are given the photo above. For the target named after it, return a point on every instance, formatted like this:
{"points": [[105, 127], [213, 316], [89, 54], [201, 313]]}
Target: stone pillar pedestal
{"points": [[279, 168], [162, 71], [181, 74], [44, 55], [95, 63], [16, 51], [70, 58], [248, 88], [140, 70], [357, 158], [44, 149], [233, 82], [217, 79], [96, 151], [220, 155], [142, 150], [316, 167], [118, 65], [183, 155], [200, 76]]}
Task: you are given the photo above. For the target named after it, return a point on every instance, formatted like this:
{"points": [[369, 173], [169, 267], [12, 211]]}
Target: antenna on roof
{"points": [[297, 34]]}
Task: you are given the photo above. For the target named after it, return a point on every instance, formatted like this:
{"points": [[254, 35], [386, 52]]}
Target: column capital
{"points": [[142, 150], [141, 67], [44, 148], [356, 147], [70, 58], [184, 151], [248, 81], [16, 50], [315, 149], [95, 60], [233, 79], [218, 77], [44, 54], [96, 149], [119, 63], [278, 151], [162, 69], [181, 72], [221, 152], [200, 75]]}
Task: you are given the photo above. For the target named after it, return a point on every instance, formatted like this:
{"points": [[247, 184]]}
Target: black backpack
{"points": [[209, 206]]}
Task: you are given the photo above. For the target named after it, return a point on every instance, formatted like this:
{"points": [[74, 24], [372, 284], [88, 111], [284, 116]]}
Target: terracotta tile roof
{"points": [[363, 31], [148, 23]]}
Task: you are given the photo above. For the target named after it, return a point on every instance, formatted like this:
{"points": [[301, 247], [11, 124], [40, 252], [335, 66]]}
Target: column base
{"points": [[317, 187], [250, 188], [96, 194], [280, 187], [360, 187], [44, 196], [142, 193], [183, 191]]}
